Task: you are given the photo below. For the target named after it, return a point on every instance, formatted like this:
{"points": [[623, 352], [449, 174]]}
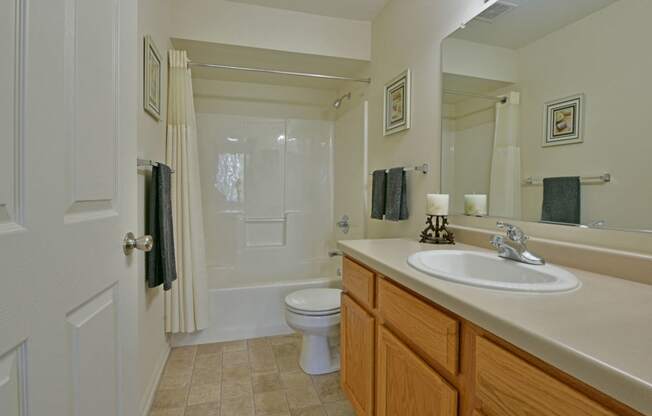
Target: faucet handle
{"points": [[497, 241], [514, 233]]}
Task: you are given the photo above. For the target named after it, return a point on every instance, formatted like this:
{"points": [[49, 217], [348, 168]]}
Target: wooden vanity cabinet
{"points": [[357, 349], [402, 355], [432, 332], [499, 373], [407, 386]]}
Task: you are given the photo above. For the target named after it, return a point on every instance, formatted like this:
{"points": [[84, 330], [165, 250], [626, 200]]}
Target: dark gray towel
{"points": [[378, 191], [396, 208], [161, 263], [561, 200]]}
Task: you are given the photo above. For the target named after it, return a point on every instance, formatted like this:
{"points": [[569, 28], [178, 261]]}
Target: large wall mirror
{"points": [[547, 113]]}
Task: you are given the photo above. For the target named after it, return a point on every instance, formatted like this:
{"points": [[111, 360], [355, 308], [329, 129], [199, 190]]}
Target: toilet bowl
{"points": [[315, 313]]}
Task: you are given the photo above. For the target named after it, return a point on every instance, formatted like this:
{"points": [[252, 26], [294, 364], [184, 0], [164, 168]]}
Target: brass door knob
{"points": [[130, 242]]}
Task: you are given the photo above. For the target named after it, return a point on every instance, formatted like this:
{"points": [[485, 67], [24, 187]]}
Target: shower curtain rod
{"points": [[471, 94], [279, 72]]}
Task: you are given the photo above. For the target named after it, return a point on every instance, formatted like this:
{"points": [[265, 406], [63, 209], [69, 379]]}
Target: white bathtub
{"points": [[248, 312]]}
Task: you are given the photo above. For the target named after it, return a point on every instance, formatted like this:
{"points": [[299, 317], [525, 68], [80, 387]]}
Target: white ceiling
{"points": [[232, 55], [345, 9], [531, 20]]}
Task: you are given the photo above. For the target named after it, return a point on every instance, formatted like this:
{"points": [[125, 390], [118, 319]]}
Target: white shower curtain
{"points": [[505, 184], [186, 305]]}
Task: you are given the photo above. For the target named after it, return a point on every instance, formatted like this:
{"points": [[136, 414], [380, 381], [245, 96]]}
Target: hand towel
{"points": [[561, 200], [161, 265], [378, 192], [396, 208]]}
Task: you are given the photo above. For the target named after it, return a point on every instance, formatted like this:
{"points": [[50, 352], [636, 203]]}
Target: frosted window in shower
{"points": [[229, 176]]}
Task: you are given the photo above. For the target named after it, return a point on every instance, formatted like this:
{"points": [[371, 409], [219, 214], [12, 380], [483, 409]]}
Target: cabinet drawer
{"points": [[358, 282], [430, 330], [509, 386], [407, 386]]}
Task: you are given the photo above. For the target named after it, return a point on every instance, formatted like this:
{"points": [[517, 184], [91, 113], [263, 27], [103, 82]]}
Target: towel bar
{"points": [[425, 168], [148, 162], [604, 178]]}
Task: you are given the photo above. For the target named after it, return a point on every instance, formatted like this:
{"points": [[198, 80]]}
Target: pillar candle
{"points": [[437, 204], [475, 204]]}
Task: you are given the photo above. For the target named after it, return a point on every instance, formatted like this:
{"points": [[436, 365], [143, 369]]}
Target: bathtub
{"points": [[248, 312]]}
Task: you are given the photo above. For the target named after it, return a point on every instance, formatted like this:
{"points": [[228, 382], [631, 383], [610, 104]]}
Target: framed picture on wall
{"points": [[152, 79], [396, 114], [563, 121]]}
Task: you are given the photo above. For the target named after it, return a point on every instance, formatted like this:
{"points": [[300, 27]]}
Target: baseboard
{"points": [[150, 391]]}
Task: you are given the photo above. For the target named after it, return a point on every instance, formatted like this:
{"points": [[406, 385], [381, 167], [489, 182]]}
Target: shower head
{"points": [[338, 103]]}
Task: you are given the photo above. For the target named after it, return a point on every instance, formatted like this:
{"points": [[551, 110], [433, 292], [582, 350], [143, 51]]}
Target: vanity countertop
{"points": [[600, 333]]}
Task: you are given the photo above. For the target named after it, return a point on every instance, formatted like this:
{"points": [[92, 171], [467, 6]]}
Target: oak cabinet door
{"points": [[509, 386], [407, 386], [357, 355]]}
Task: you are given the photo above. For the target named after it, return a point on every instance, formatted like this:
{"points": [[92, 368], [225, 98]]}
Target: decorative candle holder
{"points": [[441, 233]]}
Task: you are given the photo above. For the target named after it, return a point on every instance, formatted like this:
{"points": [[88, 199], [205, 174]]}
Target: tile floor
{"points": [[256, 377]]}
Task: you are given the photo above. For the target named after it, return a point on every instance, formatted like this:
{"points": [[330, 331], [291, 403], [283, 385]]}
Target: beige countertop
{"points": [[600, 333]]}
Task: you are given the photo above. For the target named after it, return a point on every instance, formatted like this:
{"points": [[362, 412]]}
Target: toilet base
{"points": [[316, 357]]}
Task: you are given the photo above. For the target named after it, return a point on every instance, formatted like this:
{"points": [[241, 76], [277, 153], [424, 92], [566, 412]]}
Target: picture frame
{"points": [[397, 103], [152, 78], [564, 121]]}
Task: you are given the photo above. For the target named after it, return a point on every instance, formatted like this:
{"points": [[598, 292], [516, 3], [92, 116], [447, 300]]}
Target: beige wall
{"points": [[471, 59], [234, 23], [262, 100], [153, 19], [606, 57], [408, 34]]}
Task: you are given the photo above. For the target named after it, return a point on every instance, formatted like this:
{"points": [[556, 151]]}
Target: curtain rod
{"points": [[470, 94], [279, 72]]}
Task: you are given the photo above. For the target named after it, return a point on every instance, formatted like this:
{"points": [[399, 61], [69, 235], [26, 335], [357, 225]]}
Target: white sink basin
{"points": [[491, 271]]}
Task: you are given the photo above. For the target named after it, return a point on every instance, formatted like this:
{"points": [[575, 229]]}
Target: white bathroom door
{"points": [[67, 197]]}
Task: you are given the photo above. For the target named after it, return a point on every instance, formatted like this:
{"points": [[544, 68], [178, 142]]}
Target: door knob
{"points": [[130, 242]]}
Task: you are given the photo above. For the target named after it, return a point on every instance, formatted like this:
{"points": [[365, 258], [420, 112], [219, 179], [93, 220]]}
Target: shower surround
{"points": [[267, 188]]}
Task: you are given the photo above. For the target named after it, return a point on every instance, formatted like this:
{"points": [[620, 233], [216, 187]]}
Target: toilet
{"points": [[315, 313]]}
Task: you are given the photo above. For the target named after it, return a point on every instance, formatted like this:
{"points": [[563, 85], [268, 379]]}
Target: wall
{"points": [[263, 100], [472, 59], [266, 172], [472, 141], [350, 166], [602, 56], [221, 21], [408, 34], [153, 19]]}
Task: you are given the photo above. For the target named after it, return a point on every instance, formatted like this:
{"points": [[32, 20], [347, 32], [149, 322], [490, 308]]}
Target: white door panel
{"points": [[10, 101], [93, 331], [12, 377], [91, 68], [67, 197]]}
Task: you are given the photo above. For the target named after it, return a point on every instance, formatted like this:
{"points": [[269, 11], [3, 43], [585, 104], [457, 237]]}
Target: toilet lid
{"points": [[314, 300]]}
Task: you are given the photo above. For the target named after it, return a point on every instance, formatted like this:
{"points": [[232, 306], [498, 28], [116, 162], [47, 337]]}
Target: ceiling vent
{"points": [[496, 10]]}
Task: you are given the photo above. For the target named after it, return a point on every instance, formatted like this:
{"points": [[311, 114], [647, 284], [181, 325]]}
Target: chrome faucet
{"points": [[513, 247]]}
